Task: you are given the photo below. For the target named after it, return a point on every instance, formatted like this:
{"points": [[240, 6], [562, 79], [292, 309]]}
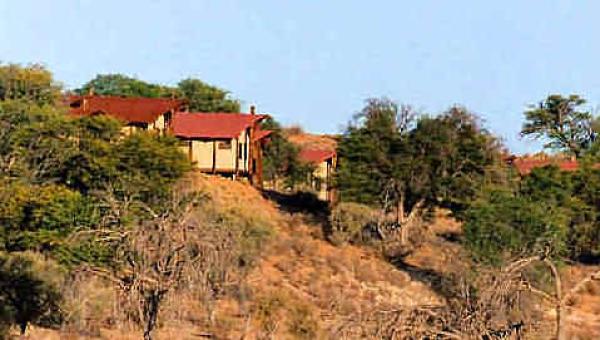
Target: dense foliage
{"points": [[29, 290], [548, 211], [562, 123], [388, 158], [33, 82], [280, 161], [62, 176], [201, 97]]}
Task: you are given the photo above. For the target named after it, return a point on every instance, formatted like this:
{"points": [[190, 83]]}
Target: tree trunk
{"points": [[560, 327], [151, 313], [400, 211], [410, 221]]}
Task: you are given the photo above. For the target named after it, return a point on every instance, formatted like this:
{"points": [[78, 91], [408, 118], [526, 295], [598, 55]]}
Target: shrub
{"points": [[30, 289], [303, 323], [348, 221], [277, 308], [503, 224]]}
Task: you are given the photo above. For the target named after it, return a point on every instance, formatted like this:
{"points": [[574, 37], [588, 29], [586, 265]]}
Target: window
{"points": [[225, 145]]}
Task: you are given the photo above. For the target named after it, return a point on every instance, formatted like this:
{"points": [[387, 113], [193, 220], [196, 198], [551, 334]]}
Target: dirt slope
{"points": [[304, 287]]}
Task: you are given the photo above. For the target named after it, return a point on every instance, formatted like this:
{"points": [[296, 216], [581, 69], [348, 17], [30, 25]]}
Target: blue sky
{"points": [[314, 62]]}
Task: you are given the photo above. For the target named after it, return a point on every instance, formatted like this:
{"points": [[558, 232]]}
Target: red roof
{"points": [[213, 125], [315, 156], [525, 166], [261, 134], [127, 109]]}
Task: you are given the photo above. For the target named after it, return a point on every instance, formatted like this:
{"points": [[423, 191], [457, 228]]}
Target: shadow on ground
{"points": [[444, 285], [313, 210]]}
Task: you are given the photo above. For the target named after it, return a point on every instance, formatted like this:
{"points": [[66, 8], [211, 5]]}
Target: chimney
{"points": [[252, 109], [91, 91]]}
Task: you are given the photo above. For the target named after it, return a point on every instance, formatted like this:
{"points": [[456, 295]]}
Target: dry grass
{"points": [[302, 286], [311, 141]]}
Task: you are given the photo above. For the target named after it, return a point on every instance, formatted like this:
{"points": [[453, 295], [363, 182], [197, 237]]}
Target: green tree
{"points": [[202, 97], [40, 218], [35, 141], [387, 161], [280, 161], [548, 210], [30, 290], [367, 153], [121, 85], [61, 175], [147, 166], [562, 122], [501, 224], [32, 83]]}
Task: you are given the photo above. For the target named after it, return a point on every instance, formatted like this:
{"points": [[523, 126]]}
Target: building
{"points": [[525, 165], [229, 144], [136, 113], [321, 180], [223, 143]]}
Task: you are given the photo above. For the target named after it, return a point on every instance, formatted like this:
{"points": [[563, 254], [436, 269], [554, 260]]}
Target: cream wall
{"points": [[321, 172], [158, 125], [244, 141], [226, 157], [202, 153]]}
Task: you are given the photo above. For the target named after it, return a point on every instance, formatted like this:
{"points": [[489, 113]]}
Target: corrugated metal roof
{"points": [[212, 125], [315, 156], [127, 109]]}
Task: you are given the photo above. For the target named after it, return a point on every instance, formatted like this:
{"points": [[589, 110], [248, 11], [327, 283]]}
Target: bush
{"points": [[30, 290], [503, 224], [280, 312], [348, 221]]}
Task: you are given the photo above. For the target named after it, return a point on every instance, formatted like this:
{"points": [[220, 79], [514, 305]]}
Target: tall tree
{"points": [[389, 162], [280, 161], [202, 97], [562, 122], [121, 85], [367, 152], [32, 83]]}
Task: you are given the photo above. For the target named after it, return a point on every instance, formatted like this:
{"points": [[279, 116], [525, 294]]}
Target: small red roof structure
{"points": [[525, 166], [213, 125], [127, 109], [261, 134], [315, 156]]}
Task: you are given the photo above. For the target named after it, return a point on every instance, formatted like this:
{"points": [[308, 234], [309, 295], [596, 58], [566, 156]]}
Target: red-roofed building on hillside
{"points": [[524, 166], [224, 143], [324, 162], [136, 113]]}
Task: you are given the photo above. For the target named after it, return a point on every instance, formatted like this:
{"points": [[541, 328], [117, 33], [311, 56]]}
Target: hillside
{"points": [[304, 287], [312, 141]]}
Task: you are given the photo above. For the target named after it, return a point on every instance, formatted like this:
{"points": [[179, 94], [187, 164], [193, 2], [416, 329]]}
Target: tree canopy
{"points": [[563, 123], [387, 155], [34, 83], [548, 211], [200, 96], [280, 161]]}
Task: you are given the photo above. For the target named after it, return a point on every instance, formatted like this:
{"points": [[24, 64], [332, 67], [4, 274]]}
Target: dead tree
{"points": [[560, 298], [152, 256]]}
